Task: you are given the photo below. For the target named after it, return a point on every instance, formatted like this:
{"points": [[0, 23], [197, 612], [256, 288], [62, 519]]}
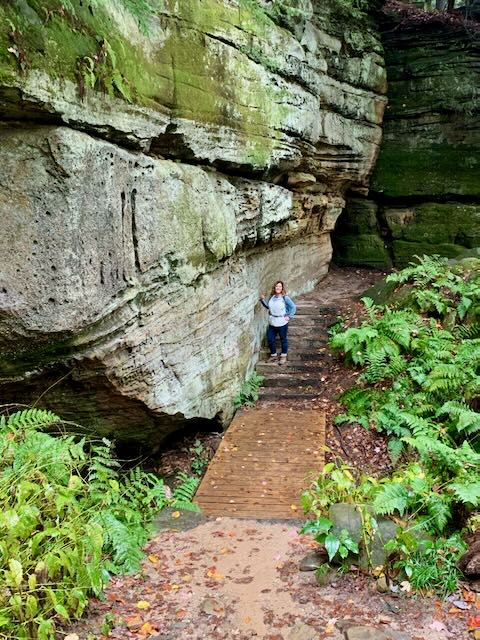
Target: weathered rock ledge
{"points": [[140, 227]]}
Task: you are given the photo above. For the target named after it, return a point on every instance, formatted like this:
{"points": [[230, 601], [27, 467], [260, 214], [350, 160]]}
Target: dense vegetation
{"points": [[420, 385], [68, 519]]}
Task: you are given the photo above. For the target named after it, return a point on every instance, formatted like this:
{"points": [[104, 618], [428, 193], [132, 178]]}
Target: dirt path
{"points": [[224, 578], [231, 578]]}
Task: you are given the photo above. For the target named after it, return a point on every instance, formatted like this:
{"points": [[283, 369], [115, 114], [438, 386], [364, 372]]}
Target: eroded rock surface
{"points": [[141, 223]]}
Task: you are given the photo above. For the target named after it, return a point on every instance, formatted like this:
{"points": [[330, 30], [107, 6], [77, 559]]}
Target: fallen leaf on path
{"points": [[143, 604], [247, 620], [330, 627], [146, 629], [473, 623], [176, 514], [153, 558], [133, 622], [468, 596], [215, 574], [405, 586]]}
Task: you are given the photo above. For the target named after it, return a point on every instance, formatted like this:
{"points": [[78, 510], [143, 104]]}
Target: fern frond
{"points": [[469, 492], [391, 498]]}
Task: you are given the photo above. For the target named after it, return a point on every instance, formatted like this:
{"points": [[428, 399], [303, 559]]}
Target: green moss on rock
{"points": [[367, 250], [426, 170]]}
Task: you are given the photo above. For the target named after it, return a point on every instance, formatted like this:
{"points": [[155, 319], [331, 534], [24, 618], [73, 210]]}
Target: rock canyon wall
{"points": [[425, 190], [157, 173]]}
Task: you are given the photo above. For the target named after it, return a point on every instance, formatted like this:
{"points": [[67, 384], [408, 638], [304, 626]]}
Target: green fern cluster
{"points": [[420, 385], [68, 519]]}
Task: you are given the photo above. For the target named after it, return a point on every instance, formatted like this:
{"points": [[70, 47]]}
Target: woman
{"points": [[281, 308]]}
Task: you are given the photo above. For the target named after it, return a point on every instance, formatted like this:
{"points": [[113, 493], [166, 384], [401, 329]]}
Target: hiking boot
{"points": [[283, 358], [272, 359]]}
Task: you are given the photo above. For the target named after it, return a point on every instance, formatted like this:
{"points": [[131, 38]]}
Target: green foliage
{"points": [[184, 491], [336, 544], [420, 385], [421, 381], [335, 484], [101, 72], [248, 394], [200, 459], [141, 10], [356, 9], [68, 519], [429, 565]]}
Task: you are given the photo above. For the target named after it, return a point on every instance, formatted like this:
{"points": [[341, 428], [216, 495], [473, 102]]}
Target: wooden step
{"points": [[293, 366], [293, 382], [275, 394]]}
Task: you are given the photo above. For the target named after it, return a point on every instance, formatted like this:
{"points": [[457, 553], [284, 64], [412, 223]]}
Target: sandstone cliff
{"points": [[157, 173], [425, 190]]}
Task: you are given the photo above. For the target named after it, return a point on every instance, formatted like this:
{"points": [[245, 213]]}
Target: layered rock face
{"points": [[425, 190], [155, 181]]}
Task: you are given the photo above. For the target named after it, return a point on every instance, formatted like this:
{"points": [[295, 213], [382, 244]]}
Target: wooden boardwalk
{"points": [[262, 464]]}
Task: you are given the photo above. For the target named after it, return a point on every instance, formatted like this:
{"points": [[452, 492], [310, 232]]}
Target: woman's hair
{"points": [[284, 291]]}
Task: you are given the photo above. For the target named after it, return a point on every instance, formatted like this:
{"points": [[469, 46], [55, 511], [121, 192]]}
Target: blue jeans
{"points": [[271, 335]]}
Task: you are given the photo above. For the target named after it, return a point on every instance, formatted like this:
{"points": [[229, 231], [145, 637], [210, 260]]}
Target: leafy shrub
{"points": [[248, 394], [68, 519], [340, 544]]}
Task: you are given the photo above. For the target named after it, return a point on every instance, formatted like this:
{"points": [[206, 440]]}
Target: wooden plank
{"points": [[264, 462]]}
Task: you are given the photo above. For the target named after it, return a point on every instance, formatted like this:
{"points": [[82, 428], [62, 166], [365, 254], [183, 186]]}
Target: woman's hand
{"points": [[287, 318]]}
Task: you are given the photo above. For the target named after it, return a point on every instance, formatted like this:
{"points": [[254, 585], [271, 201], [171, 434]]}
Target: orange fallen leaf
{"points": [[143, 604], [180, 614], [330, 627], [146, 629], [153, 558], [454, 611], [293, 507], [247, 620], [215, 574], [474, 622], [176, 514]]}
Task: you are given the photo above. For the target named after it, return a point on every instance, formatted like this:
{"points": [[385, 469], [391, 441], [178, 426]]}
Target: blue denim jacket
{"points": [[290, 308]]}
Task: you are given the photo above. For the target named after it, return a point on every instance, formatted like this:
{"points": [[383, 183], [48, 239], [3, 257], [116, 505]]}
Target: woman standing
{"points": [[281, 308]]}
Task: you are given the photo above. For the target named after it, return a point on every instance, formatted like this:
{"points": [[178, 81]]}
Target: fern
{"points": [[395, 449], [468, 492], [125, 544], [184, 492], [391, 498]]}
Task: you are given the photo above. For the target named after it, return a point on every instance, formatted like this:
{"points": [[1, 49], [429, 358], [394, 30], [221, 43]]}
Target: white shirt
{"points": [[278, 311]]}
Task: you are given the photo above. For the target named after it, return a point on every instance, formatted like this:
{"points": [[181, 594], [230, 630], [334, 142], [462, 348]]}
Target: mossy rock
{"points": [[367, 250], [347, 516]]}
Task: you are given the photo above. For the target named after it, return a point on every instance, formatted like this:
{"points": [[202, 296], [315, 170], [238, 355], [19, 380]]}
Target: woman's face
{"points": [[278, 288]]}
